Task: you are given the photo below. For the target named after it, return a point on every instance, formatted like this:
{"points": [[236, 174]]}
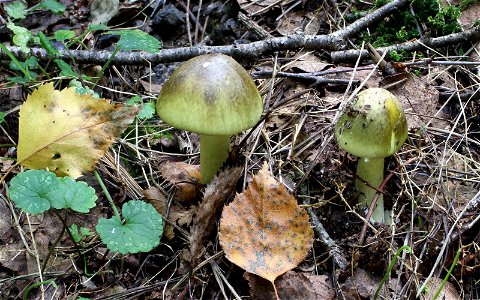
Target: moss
{"points": [[396, 56], [436, 19]]}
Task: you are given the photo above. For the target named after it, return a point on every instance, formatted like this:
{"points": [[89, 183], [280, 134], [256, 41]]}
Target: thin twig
{"points": [[438, 42], [333, 249]]}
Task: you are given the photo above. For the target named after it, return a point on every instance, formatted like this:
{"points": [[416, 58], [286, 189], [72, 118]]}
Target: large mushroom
{"points": [[372, 128], [214, 96]]}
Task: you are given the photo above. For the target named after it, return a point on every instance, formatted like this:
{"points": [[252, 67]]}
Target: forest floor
{"points": [[308, 60]]}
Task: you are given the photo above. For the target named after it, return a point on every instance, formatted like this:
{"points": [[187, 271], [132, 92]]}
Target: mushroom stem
{"points": [[214, 151], [371, 170]]}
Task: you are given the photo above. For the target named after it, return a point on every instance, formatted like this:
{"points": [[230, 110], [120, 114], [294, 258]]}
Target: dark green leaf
{"points": [[62, 35], [131, 40], [96, 27], [148, 109], [46, 44], [65, 69], [51, 5], [147, 112], [35, 191], [79, 233]]}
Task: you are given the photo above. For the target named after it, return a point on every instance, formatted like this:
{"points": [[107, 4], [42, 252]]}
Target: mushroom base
{"points": [[214, 151], [371, 170]]}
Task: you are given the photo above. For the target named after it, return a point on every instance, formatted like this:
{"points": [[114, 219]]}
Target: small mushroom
{"points": [[372, 127], [214, 96]]}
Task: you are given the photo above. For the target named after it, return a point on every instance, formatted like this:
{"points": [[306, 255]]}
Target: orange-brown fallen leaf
{"points": [[68, 132], [263, 230]]}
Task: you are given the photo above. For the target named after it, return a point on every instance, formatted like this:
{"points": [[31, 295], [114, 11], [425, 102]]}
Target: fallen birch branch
{"points": [[333, 41]]}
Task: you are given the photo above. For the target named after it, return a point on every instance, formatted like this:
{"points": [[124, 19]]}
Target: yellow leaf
{"points": [[67, 132], [263, 230]]}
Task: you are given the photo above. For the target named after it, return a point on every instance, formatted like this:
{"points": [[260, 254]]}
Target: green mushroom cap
{"points": [[373, 126], [210, 94]]}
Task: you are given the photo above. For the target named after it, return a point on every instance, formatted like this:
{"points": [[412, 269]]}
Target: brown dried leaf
{"points": [[259, 7], [307, 62], [448, 291], [216, 193], [362, 285], [177, 214], [419, 101], [295, 22], [292, 285], [186, 178], [263, 230], [14, 257], [469, 15], [6, 222]]}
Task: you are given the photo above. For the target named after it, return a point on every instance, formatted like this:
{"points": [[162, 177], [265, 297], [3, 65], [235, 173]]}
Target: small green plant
{"points": [[148, 108], [396, 56], [79, 234], [19, 10], [36, 191], [130, 40], [390, 267], [450, 270]]}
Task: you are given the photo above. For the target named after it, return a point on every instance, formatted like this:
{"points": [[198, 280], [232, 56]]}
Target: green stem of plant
{"points": [[50, 251], [390, 267], [34, 285], [85, 271], [371, 170], [15, 61], [214, 151], [107, 63], [450, 270], [79, 39], [107, 194]]}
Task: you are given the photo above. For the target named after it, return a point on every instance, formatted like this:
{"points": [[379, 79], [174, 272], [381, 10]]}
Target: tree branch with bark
{"points": [[335, 42], [332, 42]]}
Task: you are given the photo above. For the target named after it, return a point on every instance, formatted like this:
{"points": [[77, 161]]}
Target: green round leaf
{"points": [[76, 195], [141, 231], [31, 190]]}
